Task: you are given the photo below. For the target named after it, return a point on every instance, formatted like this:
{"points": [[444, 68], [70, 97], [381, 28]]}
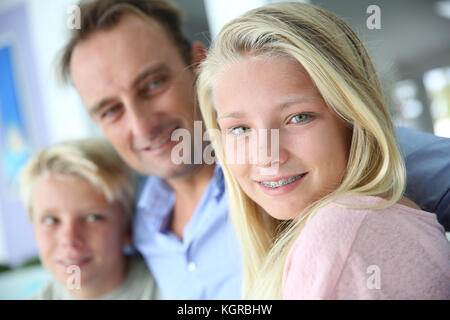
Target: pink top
{"points": [[392, 253]]}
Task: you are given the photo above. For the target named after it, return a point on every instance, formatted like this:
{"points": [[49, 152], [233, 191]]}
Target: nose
{"points": [[71, 234], [143, 123], [137, 119], [267, 150]]}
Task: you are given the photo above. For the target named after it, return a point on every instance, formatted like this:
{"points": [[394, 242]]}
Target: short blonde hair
{"points": [[92, 159], [342, 71]]}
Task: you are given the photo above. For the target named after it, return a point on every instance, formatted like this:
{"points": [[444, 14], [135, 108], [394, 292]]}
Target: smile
{"points": [[156, 146], [77, 262], [281, 182], [162, 142]]}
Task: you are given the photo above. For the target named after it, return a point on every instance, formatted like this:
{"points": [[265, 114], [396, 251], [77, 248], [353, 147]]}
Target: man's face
{"points": [[138, 89]]}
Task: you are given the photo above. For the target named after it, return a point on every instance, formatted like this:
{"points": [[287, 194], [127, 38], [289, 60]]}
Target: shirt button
{"points": [[191, 266]]}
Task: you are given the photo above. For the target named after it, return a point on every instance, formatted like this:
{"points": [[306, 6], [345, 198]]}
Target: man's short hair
{"points": [[101, 15], [92, 159]]}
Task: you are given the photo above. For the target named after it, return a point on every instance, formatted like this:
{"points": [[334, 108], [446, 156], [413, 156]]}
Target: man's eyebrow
{"points": [[152, 69], [97, 108], [149, 70]]}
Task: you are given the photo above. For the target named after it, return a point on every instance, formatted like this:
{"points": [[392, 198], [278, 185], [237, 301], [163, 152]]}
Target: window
{"points": [[437, 85]]}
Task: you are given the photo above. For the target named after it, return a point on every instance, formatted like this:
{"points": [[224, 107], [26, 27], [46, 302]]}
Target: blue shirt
{"points": [[427, 159], [206, 263]]}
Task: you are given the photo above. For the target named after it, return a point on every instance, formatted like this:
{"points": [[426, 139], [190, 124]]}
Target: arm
{"points": [[427, 159]]}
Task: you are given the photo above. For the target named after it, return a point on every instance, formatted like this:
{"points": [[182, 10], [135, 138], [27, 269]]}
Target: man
{"points": [[135, 72], [135, 75]]}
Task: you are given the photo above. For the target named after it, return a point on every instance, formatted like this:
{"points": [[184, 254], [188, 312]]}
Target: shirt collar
{"points": [[219, 182], [156, 193], [155, 196]]}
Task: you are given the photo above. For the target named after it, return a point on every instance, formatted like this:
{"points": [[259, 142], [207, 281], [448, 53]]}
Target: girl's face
{"points": [[258, 98]]}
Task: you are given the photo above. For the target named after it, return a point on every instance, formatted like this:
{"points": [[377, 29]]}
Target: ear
{"points": [[198, 52], [128, 237]]}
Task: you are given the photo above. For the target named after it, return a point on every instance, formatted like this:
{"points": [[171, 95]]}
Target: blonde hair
{"points": [[342, 71], [92, 159]]}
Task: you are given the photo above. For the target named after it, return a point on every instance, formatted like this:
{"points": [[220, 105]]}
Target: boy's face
{"points": [[74, 225]]}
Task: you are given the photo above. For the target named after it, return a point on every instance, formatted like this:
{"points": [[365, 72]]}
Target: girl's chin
{"points": [[280, 212]]}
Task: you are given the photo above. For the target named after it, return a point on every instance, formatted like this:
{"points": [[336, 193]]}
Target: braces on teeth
{"points": [[280, 183]]}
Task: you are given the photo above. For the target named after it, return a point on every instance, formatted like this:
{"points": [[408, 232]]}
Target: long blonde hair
{"points": [[341, 69]]}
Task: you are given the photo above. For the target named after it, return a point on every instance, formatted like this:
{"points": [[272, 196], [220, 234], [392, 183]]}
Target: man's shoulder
{"points": [[412, 141], [142, 183]]}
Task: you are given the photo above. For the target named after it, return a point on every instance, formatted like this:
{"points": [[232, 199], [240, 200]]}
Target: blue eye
{"points": [[158, 82], [94, 217], [301, 118], [49, 220], [237, 131], [155, 84], [111, 111], [153, 87]]}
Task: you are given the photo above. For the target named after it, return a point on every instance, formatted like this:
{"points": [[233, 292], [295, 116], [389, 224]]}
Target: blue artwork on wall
{"points": [[14, 144]]}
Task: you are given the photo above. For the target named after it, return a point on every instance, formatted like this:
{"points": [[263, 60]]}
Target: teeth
{"points": [[282, 182], [156, 146]]}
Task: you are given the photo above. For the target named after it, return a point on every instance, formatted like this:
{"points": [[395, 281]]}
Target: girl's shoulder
{"points": [[355, 213], [336, 226], [340, 241]]}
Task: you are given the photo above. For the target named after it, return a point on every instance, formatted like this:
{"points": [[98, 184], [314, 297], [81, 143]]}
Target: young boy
{"points": [[80, 199]]}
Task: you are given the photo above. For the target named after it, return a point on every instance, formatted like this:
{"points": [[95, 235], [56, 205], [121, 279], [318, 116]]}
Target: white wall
{"points": [[3, 250], [65, 113], [219, 12]]}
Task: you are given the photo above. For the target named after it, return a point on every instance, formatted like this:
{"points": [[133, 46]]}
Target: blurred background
{"points": [[410, 46]]}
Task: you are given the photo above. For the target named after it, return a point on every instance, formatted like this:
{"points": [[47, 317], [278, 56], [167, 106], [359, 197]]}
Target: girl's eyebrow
{"points": [[231, 114], [288, 101], [294, 99]]}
